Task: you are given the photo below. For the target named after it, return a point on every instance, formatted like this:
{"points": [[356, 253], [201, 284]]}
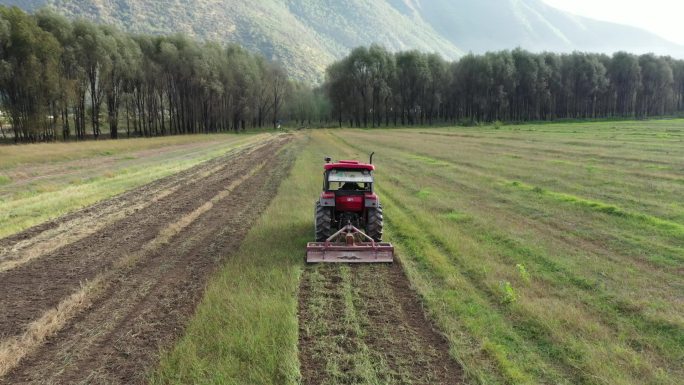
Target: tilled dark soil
{"points": [[146, 301], [364, 324]]}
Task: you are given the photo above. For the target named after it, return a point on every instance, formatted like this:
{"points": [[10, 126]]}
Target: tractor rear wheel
{"points": [[323, 222], [374, 224]]}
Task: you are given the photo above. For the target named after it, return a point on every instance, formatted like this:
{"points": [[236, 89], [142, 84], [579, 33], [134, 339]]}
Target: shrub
{"points": [[524, 274], [508, 294]]}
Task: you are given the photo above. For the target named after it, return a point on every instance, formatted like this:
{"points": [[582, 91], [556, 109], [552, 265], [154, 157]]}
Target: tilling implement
{"points": [[346, 205]]}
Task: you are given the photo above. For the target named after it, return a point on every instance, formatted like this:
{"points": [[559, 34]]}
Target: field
{"points": [[42, 181], [527, 254]]}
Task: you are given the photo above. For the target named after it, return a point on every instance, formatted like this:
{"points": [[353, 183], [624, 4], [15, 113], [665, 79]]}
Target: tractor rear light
{"points": [[328, 199], [371, 200]]}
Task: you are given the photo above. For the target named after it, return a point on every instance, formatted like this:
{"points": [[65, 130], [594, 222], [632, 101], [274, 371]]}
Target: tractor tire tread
{"points": [[323, 223], [374, 226]]}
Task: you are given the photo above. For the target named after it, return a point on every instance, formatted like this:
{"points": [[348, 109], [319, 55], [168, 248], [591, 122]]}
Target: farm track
{"points": [[148, 252], [364, 324]]}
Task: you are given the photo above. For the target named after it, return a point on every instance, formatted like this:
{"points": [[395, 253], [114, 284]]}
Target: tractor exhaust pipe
{"points": [[371, 157]]}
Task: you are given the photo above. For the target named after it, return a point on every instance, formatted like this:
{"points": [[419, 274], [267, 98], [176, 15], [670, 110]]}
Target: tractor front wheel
{"points": [[323, 223], [374, 224]]}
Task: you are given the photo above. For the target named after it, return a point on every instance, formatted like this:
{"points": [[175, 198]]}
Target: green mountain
{"points": [[306, 35]]}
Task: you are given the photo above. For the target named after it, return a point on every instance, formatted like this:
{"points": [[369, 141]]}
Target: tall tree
{"points": [[93, 49], [28, 87], [279, 89], [414, 76], [656, 85]]}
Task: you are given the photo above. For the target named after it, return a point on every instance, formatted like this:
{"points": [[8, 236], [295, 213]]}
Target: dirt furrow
{"points": [[398, 327], [175, 270], [146, 307], [51, 235], [364, 324], [56, 275]]}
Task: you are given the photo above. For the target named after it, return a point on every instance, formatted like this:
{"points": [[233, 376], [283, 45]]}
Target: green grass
{"points": [[245, 329], [569, 274], [545, 254], [50, 180], [41, 153], [675, 228]]}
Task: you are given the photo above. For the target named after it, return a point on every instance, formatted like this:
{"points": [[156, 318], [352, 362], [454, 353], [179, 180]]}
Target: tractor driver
{"points": [[352, 186]]}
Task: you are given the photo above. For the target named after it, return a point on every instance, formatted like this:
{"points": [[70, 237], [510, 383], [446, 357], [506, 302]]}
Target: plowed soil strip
{"points": [[49, 236], [364, 325], [154, 274], [57, 274]]}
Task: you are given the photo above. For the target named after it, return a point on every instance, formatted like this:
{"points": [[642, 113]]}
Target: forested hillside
{"points": [[73, 79], [307, 35], [60, 77]]}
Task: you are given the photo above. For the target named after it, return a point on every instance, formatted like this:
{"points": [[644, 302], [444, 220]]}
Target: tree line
{"points": [[63, 79], [75, 79], [374, 87]]}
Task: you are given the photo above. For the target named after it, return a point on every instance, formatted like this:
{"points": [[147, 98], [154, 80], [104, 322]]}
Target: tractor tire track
{"points": [[364, 324], [146, 300]]}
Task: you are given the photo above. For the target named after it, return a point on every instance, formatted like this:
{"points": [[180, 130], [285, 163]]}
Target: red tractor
{"points": [[347, 204]]}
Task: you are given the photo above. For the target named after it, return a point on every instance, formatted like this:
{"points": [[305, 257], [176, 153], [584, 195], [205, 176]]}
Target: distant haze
{"points": [[662, 17]]}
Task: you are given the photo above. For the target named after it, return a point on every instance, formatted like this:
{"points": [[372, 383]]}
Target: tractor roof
{"points": [[349, 165]]}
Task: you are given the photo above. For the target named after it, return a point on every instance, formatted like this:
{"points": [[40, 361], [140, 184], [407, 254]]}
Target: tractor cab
{"points": [[351, 184]]}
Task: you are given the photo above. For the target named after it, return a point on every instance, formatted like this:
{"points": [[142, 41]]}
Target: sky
{"points": [[662, 17]]}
